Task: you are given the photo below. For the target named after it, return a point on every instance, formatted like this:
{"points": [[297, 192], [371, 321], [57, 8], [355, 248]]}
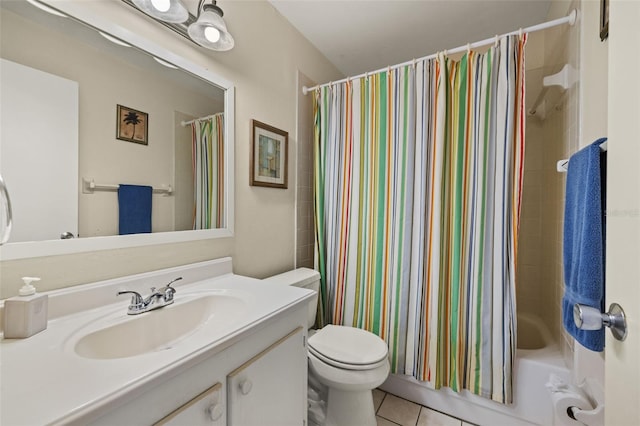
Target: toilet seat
{"points": [[349, 380], [348, 348]]}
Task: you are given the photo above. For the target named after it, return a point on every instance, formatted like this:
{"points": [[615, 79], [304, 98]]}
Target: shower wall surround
{"points": [[551, 136], [305, 232], [574, 118]]}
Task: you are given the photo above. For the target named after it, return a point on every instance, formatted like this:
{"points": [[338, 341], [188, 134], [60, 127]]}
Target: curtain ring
{"points": [[520, 32], [497, 40], [468, 48], [414, 63]]}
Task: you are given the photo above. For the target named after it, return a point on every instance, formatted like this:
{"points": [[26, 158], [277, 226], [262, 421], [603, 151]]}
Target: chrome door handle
{"points": [[588, 318]]}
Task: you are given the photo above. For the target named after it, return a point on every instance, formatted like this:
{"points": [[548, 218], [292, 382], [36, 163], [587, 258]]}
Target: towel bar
{"points": [[89, 186], [563, 165]]}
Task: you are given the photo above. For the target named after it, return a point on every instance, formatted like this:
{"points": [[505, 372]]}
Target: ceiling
{"points": [[363, 35]]}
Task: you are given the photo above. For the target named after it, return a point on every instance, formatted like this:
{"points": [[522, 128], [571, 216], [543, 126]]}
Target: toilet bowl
{"points": [[348, 361]]}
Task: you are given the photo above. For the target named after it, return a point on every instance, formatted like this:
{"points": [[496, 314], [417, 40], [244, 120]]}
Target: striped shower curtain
{"points": [[418, 174], [207, 143]]}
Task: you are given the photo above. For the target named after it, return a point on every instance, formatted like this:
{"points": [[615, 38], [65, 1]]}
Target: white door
{"points": [[39, 127], [622, 359]]}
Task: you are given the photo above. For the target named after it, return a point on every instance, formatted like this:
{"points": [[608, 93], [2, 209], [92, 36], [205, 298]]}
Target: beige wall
{"points": [[594, 74], [263, 66]]}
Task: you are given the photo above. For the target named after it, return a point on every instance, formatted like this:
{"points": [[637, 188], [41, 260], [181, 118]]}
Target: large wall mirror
{"points": [[88, 107]]}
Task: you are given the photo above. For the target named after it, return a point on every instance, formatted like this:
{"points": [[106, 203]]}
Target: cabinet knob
{"points": [[246, 386], [215, 412]]}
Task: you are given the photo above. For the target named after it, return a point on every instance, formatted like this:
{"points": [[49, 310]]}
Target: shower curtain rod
{"points": [[569, 19], [185, 123]]}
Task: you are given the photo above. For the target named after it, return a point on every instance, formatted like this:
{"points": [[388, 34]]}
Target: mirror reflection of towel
{"points": [[134, 204]]}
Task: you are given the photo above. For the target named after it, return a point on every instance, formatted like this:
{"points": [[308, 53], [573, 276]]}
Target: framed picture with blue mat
{"points": [[268, 156]]}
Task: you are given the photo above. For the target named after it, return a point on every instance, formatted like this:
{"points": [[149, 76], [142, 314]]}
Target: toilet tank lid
{"points": [[300, 277]]}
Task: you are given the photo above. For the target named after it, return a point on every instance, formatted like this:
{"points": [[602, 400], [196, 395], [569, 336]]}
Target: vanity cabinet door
{"points": [[270, 388], [205, 409]]}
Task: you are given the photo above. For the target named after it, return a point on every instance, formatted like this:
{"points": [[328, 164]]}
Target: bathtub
{"points": [[537, 357]]}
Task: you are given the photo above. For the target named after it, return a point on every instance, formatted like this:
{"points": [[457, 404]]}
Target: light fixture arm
{"points": [[200, 6], [213, 6]]}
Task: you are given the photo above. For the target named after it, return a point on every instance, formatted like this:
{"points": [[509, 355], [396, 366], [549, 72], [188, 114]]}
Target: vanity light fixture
{"points": [[165, 10], [210, 30]]}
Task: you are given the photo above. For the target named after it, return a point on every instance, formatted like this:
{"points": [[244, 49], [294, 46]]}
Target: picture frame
{"points": [[604, 19], [269, 156], [132, 125]]}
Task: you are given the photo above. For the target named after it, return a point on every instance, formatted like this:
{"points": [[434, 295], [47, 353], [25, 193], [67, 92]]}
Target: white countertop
{"points": [[43, 381]]}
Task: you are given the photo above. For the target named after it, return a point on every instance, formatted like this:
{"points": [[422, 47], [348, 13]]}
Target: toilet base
{"points": [[350, 408]]}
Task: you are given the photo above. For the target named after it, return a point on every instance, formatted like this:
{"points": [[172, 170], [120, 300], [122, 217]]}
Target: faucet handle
{"points": [[169, 291], [171, 282], [136, 298]]}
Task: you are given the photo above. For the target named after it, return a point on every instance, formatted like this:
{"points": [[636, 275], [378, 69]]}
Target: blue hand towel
{"points": [[583, 249], [134, 203]]}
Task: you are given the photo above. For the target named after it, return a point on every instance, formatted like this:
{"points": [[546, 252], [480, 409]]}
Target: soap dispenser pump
{"points": [[26, 314]]}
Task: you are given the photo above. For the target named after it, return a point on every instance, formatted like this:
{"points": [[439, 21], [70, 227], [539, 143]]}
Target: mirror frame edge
{"points": [[23, 250]]}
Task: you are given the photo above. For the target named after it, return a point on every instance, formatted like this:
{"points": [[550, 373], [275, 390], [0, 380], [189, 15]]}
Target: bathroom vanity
{"points": [[230, 350]]}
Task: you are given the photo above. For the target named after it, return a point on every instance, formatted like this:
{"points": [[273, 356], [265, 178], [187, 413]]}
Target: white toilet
{"points": [[349, 361]]}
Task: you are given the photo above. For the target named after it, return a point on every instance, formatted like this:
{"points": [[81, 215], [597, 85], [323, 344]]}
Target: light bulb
{"points": [[161, 5], [212, 34]]}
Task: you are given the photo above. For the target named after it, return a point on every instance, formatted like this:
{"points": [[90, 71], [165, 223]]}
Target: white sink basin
{"points": [[160, 329]]}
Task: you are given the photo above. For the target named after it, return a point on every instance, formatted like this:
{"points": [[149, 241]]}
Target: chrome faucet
{"points": [[157, 299]]}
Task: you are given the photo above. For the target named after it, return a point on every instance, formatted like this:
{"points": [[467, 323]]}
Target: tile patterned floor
{"points": [[394, 411]]}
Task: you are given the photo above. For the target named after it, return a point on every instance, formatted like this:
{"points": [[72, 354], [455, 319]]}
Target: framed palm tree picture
{"points": [[133, 125]]}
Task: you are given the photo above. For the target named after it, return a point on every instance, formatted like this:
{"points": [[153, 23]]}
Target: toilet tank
{"points": [[305, 278]]}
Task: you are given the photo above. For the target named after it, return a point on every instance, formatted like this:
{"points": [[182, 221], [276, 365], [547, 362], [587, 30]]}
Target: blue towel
{"points": [[134, 203], [583, 248]]}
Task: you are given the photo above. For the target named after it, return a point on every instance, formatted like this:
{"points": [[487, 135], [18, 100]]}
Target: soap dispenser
{"points": [[26, 314]]}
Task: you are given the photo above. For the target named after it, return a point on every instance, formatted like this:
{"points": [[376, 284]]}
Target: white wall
{"points": [[263, 65]]}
